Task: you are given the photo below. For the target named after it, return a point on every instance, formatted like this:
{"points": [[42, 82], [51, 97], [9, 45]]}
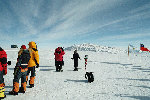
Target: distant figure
{"points": [[20, 71], [76, 57], [33, 62], [59, 52], [3, 71]]}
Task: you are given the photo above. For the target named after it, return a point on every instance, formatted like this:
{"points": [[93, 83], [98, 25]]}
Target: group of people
{"points": [[59, 62], [27, 61]]}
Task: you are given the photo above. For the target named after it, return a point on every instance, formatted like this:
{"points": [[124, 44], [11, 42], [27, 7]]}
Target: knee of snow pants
{"points": [[23, 77], [59, 64], [32, 70], [17, 77]]}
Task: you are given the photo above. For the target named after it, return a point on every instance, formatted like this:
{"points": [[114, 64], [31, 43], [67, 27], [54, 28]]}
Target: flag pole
{"points": [[128, 50]]}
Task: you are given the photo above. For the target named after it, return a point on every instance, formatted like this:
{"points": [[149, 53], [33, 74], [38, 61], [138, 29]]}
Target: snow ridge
{"points": [[94, 48]]}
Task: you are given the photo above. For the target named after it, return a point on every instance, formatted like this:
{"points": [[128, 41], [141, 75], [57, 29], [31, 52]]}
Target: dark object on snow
{"points": [[89, 76], [14, 46]]}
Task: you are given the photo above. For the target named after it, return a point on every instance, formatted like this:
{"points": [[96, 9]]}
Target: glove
{"points": [[37, 66]]}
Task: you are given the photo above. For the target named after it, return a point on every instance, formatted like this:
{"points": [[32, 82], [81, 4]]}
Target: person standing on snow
{"points": [[59, 52], [20, 71], [76, 57], [33, 62], [3, 71]]}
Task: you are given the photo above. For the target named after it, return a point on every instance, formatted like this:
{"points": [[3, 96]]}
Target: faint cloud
{"points": [[126, 36]]}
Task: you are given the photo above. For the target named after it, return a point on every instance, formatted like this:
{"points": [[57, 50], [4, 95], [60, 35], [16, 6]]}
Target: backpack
{"points": [[90, 76], [23, 59]]}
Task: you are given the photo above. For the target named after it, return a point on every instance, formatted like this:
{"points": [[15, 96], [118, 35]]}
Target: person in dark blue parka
{"points": [[75, 57]]}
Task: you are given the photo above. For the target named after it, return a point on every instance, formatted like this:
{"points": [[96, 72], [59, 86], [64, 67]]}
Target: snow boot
{"points": [[31, 82], [31, 85], [61, 70], [13, 93], [57, 70], [76, 69], [2, 95], [22, 88], [15, 89]]}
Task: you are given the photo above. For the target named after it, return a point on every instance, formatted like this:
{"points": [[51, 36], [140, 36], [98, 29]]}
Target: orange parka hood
{"points": [[32, 45]]}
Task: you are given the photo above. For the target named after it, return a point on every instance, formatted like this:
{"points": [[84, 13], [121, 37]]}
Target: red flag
{"points": [[142, 48]]}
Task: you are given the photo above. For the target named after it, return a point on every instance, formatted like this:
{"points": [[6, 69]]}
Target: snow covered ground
{"points": [[117, 77]]}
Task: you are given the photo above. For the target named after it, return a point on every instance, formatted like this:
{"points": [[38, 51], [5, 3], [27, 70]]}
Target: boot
{"points": [[22, 88], [31, 85], [57, 70], [13, 93], [31, 82], [15, 89], [76, 69], [2, 95]]}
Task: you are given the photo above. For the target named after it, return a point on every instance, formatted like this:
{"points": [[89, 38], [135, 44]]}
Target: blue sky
{"points": [[52, 23]]}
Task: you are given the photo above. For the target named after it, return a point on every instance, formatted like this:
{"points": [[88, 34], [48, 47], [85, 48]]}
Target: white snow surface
{"points": [[117, 77]]}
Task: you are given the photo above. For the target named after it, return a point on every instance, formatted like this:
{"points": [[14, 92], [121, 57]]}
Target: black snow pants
{"points": [[58, 65], [1, 77], [75, 63]]}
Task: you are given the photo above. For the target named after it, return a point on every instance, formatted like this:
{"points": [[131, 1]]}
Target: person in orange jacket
{"points": [[3, 71], [33, 62], [20, 71]]}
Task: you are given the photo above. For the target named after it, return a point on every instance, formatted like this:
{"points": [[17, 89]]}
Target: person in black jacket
{"points": [[20, 71], [75, 57]]}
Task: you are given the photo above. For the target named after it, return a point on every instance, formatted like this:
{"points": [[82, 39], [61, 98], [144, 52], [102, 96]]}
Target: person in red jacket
{"points": [[59, 52], [3, 71]]}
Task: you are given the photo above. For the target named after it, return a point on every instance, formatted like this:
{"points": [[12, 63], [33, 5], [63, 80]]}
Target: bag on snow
{"points": [[89, 76]]}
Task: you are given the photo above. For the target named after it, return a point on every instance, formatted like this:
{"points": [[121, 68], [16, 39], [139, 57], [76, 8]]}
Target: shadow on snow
{"points": [[85, 81]]}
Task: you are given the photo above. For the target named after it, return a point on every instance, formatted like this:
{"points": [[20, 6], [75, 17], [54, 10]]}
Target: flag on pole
{"points": [[142, 48], [132, 46]]}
